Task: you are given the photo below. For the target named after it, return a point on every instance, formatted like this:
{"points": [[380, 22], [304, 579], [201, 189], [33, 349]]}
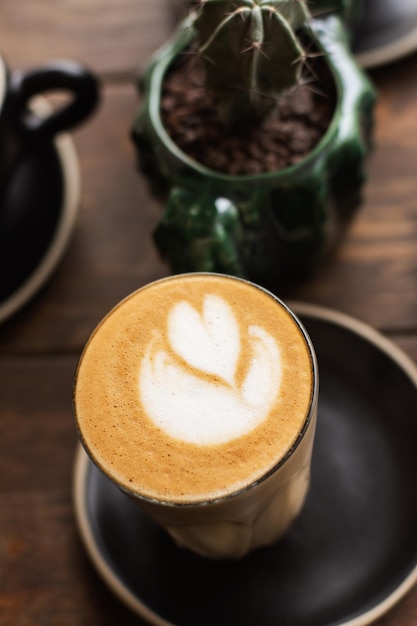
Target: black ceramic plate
{"points": [[387, 31], [37, 214], [353, 551]]}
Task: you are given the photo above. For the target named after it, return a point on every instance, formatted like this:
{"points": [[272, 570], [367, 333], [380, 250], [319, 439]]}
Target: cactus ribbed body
{"points": [[251, 52]]}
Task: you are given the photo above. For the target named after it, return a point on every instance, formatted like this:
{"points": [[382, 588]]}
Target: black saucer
{"points": [[352, 553], [37, 214], [386, 32]]}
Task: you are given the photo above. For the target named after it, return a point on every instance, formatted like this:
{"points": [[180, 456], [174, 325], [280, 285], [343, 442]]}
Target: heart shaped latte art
{"points": [[209, 342], [191, 393]]}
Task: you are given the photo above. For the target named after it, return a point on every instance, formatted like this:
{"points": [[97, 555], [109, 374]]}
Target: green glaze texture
{"points": [[268, 227]]}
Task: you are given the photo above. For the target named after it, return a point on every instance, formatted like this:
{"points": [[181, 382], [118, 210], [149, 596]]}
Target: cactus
{"points": [[278, 225], [251, 52]]}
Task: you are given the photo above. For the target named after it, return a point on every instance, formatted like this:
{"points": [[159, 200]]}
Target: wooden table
{"points": [[46, 578]]}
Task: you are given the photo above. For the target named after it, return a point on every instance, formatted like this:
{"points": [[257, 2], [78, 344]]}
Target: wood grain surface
{"points": [[45, 577]]}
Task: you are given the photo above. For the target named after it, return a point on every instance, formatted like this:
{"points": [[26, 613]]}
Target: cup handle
{"points": [[59, 75]]}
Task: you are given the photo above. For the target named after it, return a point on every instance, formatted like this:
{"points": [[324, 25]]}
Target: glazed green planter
{"points": [[351, 11], [269, 227], [347, 9]]}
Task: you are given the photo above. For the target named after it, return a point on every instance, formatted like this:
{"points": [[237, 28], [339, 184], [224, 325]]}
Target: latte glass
{"points": [[197, 396]]}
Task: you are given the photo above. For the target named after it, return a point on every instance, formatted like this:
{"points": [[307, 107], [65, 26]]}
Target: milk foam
{"points": [[193, 392], [239, 358]]}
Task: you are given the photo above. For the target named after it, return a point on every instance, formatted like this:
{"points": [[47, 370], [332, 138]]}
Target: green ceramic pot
{"points": [[346, 8], [351, 11], [269, 227]]}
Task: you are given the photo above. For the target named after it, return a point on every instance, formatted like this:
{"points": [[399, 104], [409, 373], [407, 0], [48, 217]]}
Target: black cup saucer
{"points": [[386, 32], [352, 553], [38, 209]]}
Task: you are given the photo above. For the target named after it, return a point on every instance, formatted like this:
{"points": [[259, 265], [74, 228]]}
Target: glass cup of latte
{"points": [[197, 396]]}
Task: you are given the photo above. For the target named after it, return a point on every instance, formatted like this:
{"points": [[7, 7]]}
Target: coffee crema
{"points": [[193, 387]]}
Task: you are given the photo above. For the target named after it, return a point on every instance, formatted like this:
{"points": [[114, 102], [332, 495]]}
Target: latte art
{"points": [[193, 393], [193, 388]]}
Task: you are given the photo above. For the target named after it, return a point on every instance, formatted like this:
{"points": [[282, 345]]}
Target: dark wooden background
{"points": [[45, 577]]}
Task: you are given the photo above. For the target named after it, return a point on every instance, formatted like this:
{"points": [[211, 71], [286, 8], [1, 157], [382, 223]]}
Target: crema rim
{"points": [[309, 417], [128, 597]]}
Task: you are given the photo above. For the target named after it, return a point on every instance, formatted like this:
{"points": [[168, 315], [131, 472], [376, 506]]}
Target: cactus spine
{"points": [[251, 52]]}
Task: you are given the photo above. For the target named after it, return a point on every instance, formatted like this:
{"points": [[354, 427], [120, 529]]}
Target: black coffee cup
{"points": [[24, 131], [20, 127]]}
